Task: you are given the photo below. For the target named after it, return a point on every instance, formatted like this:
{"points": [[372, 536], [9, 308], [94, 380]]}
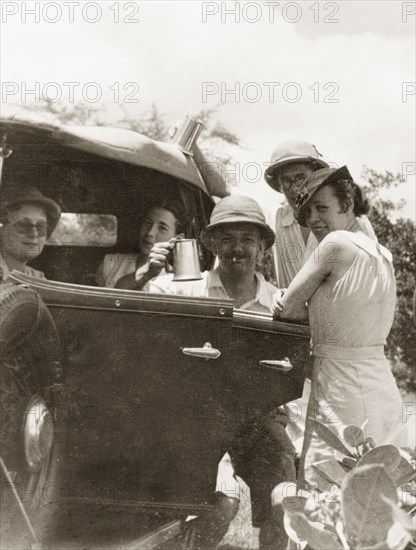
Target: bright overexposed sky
{"points": [[339, 74]]}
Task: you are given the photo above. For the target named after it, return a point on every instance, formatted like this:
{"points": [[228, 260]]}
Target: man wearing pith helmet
{"points": [[238, 235], [27, 219], [290, 165], [262, 454]]}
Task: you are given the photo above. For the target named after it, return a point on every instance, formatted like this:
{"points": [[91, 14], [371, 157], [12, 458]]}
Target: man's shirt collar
{"points": [[262, 296], [288, 217]]}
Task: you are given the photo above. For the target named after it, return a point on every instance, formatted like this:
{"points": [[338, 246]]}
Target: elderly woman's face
{"points": [[25, 233], [323, 213]]}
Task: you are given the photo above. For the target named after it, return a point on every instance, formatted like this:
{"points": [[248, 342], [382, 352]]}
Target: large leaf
{"points": [[318, 538], [329, 437], [352, 435], [387, 455], [330, 470], [367, 517], [403, 473]]}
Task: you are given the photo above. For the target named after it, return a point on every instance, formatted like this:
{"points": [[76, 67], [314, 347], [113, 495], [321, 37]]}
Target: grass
{"points": [[241, 535]]}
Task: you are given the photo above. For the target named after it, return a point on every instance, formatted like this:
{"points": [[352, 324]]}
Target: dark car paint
{"points": [[144, 424]]}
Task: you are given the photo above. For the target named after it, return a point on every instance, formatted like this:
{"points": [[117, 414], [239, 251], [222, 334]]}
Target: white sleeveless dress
{"points": [[350, 321]]}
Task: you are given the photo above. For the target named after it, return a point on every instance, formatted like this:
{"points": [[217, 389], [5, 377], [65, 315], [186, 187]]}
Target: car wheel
{"points": [[29, 434]]}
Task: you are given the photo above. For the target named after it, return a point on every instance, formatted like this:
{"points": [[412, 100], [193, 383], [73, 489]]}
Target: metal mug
{"points": [[186, 135], [186, 265]]}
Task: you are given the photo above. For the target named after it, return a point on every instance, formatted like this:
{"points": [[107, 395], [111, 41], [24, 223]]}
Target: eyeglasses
{"points": [[288, 182], [25, 228]]}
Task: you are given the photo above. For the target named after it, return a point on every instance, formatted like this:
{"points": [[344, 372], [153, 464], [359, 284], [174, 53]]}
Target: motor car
{"points": [[117, 405]]}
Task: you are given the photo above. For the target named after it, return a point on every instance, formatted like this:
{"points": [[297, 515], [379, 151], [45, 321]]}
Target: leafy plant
{"points": [[365, 501]]}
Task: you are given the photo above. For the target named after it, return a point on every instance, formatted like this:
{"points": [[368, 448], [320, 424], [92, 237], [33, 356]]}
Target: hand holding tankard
{"points": [[181, 253]]}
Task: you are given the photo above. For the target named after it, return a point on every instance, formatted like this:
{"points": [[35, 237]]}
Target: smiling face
{"points": [[159, 225], [324, 213], [292, 178], [24, 234], [239, 247]]}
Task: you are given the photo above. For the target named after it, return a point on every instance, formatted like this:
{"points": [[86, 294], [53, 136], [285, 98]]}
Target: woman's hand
{"points": [[277, 305], [160, 257]]}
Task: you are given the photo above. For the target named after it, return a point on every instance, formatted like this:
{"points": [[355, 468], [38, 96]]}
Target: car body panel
{"points": [[111, 143], [133, 394]]}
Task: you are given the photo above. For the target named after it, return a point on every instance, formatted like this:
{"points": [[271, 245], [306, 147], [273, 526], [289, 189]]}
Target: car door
{"points": [[156, 385]]}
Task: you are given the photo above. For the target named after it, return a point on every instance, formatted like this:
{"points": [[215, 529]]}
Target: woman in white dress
{"points": [[348, 290]]}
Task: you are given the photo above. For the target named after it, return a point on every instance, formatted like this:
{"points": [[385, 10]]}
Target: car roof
{"points": [[110, 143]]}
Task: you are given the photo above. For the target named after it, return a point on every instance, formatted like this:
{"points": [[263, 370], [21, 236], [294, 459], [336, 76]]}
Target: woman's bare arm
{"points": [[329, 256]]}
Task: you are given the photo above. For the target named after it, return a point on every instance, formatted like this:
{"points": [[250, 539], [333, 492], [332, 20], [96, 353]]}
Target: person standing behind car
{"points": [[27, 219], [291, 163], [161, 222], [348, 291], [262, 454]]}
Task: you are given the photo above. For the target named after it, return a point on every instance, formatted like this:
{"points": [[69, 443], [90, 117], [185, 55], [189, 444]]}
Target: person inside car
{"points": [[262, 454], [162, 221], [27, 219]]}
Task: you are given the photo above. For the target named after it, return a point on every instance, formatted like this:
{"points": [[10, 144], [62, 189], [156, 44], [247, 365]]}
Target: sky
{"points": [[338, 74]]}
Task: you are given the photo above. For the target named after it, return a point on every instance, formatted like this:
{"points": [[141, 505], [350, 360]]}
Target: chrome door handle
{"points": [[207, 352], [283, 366]]}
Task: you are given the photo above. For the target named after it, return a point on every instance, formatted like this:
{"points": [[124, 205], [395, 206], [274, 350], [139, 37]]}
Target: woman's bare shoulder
{"points": [[337, 247]]}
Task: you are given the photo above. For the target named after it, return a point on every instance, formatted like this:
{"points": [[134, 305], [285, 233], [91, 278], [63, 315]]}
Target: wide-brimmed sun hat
{"points": [[313, 183], [288, 152], [32, 196], [237, 209]]}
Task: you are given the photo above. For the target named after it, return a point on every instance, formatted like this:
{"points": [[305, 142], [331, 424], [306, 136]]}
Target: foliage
{"points": [[399, 237], [85, 230], [150, 124], [74, 113], [373, 505]]}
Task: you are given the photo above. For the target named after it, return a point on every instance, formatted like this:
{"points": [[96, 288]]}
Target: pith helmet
{"points": [[237, 209], [287, 152]]}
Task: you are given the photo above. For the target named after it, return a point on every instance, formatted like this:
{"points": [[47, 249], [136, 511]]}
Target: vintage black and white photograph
{"points": [[208, 275]]}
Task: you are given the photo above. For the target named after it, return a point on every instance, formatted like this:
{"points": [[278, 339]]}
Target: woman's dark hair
{"points": [[174, 206], [347, 193]]}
